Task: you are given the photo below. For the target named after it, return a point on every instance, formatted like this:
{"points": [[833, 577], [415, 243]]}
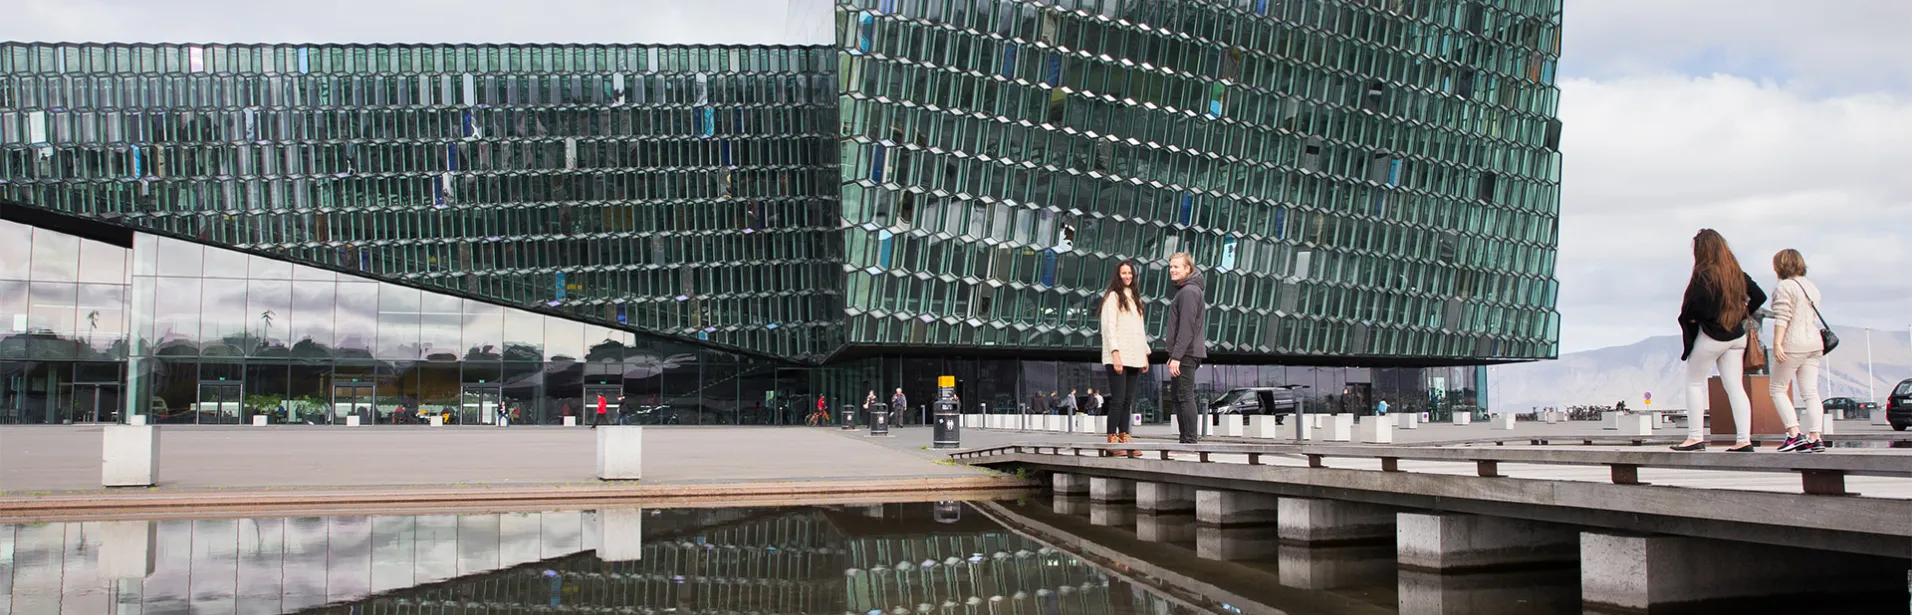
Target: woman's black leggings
{"points": [[1122, 397]]}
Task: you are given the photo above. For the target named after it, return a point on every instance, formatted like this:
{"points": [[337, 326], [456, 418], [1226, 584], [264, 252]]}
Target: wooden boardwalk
{"points": [[1856, 500]]}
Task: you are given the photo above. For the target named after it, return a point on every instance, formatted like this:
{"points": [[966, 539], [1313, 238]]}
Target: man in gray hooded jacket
{"points": [[1187, 324]]}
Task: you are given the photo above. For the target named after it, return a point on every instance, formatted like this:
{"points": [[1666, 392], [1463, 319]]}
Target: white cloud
{"points": [[1652, 159], [1845, 46], [428, 21]]}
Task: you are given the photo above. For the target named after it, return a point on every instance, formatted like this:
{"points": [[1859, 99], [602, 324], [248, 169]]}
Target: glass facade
{"points": [[655, 188], [1363, 182], [730, 232], [188, 333]]}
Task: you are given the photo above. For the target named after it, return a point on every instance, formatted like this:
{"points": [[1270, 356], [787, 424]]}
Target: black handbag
{"points": [[1827, 338]]}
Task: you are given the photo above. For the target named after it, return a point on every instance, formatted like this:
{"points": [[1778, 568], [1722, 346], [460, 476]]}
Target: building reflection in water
{"points": [[899, 559]]}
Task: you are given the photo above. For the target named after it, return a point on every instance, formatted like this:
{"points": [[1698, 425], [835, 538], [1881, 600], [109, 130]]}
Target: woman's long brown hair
{"points": [[1715, 266], [1126, 295]]}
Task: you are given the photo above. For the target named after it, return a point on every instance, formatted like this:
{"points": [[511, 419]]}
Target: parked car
{"points": [[1256, 400], [1849, 408], [1898, 407]]}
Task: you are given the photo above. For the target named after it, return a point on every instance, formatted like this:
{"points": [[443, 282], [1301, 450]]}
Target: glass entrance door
{"points": [[93, 403], [219, 403], [609, 392], [480, 405], [355, 399]]}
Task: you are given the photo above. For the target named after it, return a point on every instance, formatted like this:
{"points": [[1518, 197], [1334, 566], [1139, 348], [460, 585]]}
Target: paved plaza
{"points": [[41, 459]]}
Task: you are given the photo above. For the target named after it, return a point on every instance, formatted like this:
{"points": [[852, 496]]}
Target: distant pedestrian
{"points": [[1095, 402], [1125, 348], [1798, 348], [1187, 326], [1068, 404], [603, 407], [1713, 316], [1381, 409]]}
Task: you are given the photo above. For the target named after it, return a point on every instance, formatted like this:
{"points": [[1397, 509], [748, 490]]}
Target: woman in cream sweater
{"points": [[1797, 351], [1125, 348]]}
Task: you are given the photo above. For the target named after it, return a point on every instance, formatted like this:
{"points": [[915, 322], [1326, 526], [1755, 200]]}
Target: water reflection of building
{"points": [[809, 560]]}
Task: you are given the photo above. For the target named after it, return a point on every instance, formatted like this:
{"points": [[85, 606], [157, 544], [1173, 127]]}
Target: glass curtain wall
{"points": [[63, 326]]}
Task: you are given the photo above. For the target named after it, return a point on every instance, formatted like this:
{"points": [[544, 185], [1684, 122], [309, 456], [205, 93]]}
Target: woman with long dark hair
{"points": [[1125, 348], [1713, 316]]}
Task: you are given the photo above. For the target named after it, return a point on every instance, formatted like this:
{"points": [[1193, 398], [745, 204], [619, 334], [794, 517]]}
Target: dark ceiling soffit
{"points": [[866, 351], [113, 232]]}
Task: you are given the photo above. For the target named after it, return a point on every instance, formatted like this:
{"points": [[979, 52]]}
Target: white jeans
{"points": [[1806, 366], [1708, 353]]}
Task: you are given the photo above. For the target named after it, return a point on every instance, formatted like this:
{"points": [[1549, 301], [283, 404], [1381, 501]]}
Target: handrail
{"points": [[1821, 474]]}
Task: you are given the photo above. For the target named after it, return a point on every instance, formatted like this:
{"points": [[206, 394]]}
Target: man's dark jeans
{"points": [[1187, 416]]}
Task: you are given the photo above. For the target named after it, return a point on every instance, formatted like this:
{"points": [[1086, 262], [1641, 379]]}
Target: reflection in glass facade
{"points": [[727, 233], [1362, 182], [656, 188], [187, 333]]}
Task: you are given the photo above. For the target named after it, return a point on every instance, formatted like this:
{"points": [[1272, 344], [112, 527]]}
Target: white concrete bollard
{"points": [[1553, 416], [1377, 432], [1100, 424], [437, 420], [1504, 422], [126, 549], [1463, 418], [570, 421], [620, 452], [1610, 420], [1829, 425], [258, 420], [1636, 425], [352, 421], [137, 419], [1410, 420], [1320, 421], [1231, 425], [1263, 426], [1341, 428], [130, 456], [1878, 416]]}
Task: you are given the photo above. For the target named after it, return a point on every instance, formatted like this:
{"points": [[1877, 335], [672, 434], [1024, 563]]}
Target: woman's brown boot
{"points": [[1113, 438], [1125, 440]]}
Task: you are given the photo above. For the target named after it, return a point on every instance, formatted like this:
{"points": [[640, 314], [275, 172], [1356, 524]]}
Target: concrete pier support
{"points": [[1315, 522], [1069, 484], [1064, 504], [1236, 543], [1164, 528], [1235, 508], [620, 452], [1553, 590], [1102, 513], [1111, 490], [130, 456], [1661, 573], [1336, 566], [1164, 498], [1457, 543]]}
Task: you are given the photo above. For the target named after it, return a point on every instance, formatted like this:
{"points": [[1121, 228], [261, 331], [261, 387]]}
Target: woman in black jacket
{"points": [[1713, 318]]}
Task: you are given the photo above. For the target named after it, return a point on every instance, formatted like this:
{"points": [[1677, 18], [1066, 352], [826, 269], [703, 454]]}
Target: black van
{"points": [[1256, 400], [1898, 407]]}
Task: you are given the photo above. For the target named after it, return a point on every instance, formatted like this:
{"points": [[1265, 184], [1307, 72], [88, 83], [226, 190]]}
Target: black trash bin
{"points": [[879, 419], [949, 424], [846, 416]]}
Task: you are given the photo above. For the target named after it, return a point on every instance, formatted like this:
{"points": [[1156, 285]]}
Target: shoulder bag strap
{"points": [[1814, 304]]}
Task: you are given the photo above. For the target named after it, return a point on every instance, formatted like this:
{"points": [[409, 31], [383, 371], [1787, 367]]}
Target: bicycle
{"points": [[817, 418]]}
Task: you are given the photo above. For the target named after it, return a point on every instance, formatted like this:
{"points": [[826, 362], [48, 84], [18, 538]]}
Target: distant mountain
{"points": [[1607, 375]]}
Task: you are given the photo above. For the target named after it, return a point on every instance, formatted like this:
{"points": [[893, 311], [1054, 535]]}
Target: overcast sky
{"points": [[1777, 124]]}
